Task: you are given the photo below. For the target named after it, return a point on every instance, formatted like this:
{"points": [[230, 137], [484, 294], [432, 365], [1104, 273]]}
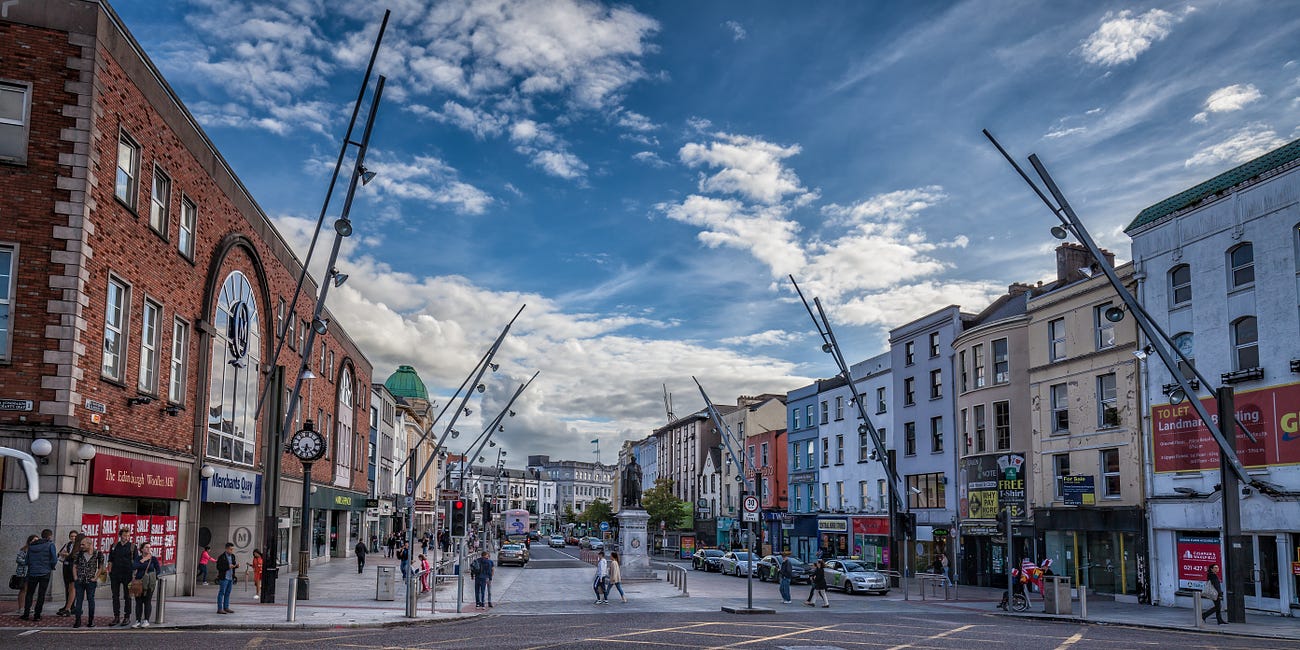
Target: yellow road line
{"points": [[1070, 641]]}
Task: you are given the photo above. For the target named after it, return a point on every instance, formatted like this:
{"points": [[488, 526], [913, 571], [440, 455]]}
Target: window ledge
{"points": [[1245, 374]]}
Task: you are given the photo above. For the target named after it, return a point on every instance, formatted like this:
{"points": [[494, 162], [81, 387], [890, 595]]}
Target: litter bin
{"points": [[385, 583], [1056, 595]]}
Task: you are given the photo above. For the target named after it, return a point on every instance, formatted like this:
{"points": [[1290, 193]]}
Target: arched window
{"points": [[343, 431], [1180, 285], [233, 379], [1183, 341], [1245, 343], [1241, 262]]}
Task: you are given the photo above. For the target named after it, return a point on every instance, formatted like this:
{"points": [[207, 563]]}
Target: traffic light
{"points": [[907, 524], [458, 518], [487, 511]]}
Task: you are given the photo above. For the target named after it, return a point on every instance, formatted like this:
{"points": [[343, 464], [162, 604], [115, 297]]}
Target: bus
{"points": [[516, 525]]}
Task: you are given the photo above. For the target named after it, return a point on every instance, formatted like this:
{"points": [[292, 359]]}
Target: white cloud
{"points": [[1062, 132], [650, 158], [1122, 36], [475, 120], [738, 32], [1248, 143], [1228, 99], [767, 337], [748, 166], [547, 151], [635, 121], [424, 179]]}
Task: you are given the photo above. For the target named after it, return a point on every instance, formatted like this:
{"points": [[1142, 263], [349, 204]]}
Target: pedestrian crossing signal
{"points": [[458, 518]]}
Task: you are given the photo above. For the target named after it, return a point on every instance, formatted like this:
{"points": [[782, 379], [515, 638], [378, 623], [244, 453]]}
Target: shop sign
{"points": [[979, 531], [327, 498], [803, 477], [142, 479], [687, 547], [871, 525], [1295, 569], [1181, 443], [833, 525], [1196, 552], [232, 486], [15, 404], [939, 532], [1079, 490], [372, 503], [991, 484]]}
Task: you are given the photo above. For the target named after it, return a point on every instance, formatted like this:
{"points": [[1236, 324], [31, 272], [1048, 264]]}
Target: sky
{"points": [[645, 176]]}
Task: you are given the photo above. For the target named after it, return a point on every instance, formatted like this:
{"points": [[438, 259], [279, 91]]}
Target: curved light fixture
{"points": [[481, 388], [501, 428], [207, 471], [1114, 314], [492, 443], [343, 227], [42, 448], [321, 325], [1060, 232], [455, 433], [85, 452], [512, 414], [826, 347], [339, 278], [494, 366], [468, 412], [366, 175], [307, 373], [1177, 396]]}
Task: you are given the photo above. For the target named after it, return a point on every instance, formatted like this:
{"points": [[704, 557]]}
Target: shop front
{"points": [[799, 534], [871, 540], [1105, 549], [991, 486], [144, 495], [726, 532], [336, 521], [833, 537], [229, 513]]}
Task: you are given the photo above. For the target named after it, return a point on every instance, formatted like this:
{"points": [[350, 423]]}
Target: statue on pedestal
{"points": [[632, 485]]}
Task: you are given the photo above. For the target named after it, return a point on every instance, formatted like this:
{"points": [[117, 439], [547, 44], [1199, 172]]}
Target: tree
{"points": [[596, 512], [660, 503]]}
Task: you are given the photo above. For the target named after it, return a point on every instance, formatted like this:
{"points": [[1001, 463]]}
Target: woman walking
{"points": [[66, 556], [818, 585], [1214, 591], [258, 561], [616, 575], [86, 566], [146, 571], [20, 569], [424, 573]]}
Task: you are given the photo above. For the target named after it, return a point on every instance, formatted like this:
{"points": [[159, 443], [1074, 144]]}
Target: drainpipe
{"points": [[1148, 468]]}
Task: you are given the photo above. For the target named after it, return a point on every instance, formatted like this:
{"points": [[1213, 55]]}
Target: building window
{"points": [[936, 435], [909, 353], [343, 431], [180, 357], [926, 491], [160, 201], [798, 498], [1002, 424], [1245, 343], [882, 405], [934, 344], [839, 449], [1110, 480], [763, 453], [826, 412], [15, 120], [185, 234], [126, 185], [290, 337], [1056, 339], [234, 375], [1105, 329], [826, 452], [752, 464], [808, 414], [795, 456], [118, 301], [909, 438], [882, 494], [150, 317], [936, 384], [1060, 469], [980, 428], [1180, 285], [794, 419], [864, 447], [909, 391], [1183, 342], [864, 496], [811, 451], [977, 357], [826, 497], [1060, 408], [1241, 261], [961, 369], [839, 407], [839, 495], [964, 423], [1107, 403], [1001, 365], [8, 265]]}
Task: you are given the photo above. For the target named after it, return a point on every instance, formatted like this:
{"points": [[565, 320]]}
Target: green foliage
{"points": [[660, 503], [596, 512]]}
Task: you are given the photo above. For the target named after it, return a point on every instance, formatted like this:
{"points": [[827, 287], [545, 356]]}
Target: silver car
{"points": [[855, 577], [738, 563]]}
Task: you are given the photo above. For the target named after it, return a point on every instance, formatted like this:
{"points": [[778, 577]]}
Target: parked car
{"points": [[595, 544], [513, 554], [573, 541], [738, 563], [557, 541], [769, 568], [707, 559], [855, 577]]}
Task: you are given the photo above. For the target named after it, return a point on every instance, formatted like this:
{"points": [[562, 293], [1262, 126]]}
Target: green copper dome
{"points": [[406, 383]]}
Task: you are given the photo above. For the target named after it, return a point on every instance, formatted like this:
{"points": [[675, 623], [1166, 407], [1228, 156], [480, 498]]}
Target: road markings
{"points": [[934, 637], [28, 631], [1070, 641], [780, 636]]}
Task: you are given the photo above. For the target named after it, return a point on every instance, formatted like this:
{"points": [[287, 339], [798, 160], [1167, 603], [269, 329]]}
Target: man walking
{"points": [[787, 574], [481, 571], [42, 557], [226, 565], [361, 556], [121, 566]]}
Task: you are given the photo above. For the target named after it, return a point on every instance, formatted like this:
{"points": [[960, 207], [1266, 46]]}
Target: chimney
{"points": [[1070, 258], [1018, 288]]}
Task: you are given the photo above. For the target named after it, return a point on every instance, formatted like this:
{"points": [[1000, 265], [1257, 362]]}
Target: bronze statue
{"points": [[632, 485]]}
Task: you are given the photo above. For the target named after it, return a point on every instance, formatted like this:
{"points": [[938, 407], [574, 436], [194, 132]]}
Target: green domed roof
{"points": [[406, 383]]}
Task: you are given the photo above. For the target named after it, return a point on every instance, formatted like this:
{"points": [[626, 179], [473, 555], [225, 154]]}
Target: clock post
{"points": [[308, 445]]}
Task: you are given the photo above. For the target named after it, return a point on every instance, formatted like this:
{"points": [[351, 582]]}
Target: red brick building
{"points": [[141, 288]]}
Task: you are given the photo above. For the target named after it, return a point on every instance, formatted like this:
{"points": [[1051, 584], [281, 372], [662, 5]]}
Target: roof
{"points": [[1235, 176], [405, 382]]}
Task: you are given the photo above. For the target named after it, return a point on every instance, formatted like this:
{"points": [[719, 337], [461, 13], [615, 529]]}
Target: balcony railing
{"points": [[1245, 374]]}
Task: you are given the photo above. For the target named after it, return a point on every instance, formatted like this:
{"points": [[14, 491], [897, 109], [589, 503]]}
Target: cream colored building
{"points": [[1087, 485]]}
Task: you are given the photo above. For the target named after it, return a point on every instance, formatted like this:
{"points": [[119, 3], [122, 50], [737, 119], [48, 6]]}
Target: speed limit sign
{"points": [[751, 508]]}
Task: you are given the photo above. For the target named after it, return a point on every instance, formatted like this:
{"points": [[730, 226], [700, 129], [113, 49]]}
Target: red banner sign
{"points": [[129, 477], [1183, 444], [160, 531], [1196, 552], [870, 525]]}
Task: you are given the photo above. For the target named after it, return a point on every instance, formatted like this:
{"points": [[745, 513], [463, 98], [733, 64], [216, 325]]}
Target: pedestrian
{"points": [[818, 585], [481, 571], [121, 565], [146, 572], [42, 559], [86, 567], [444, 540], [404, 557], [391, 544], [204, 558], [20, 569], [945, 570], [601, 582], [616, 575], [374, 544], [1214, 591], [361, 556], [226, 565], [320, 543], [424, 573], [787, 574], [258, 563], [66, 558]]}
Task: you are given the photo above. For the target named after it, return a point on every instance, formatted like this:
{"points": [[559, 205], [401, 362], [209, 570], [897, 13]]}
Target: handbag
{"points": [[16, 581], [136, 588], [1210, 592]]}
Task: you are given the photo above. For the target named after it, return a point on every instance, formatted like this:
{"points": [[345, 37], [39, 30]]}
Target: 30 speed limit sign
{"points": [[751, 508]]}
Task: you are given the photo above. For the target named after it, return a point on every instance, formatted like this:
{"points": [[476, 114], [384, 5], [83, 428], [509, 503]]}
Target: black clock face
{"points": [[307, 445]]}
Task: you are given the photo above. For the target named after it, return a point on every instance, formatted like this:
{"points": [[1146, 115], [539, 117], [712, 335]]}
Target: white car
{"points": [[738, 563], [855, 577], [557, 541], [595, 544]]}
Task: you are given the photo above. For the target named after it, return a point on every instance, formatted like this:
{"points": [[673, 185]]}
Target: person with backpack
{"points": [[86, 565], [481, 571], [121, 565], [146, 574], [42, 558], [787, 574], [226, 565]]}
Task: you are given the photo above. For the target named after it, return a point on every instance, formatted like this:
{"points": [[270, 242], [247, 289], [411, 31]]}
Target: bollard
{"points": [[1083, 601], [1196, 608], [293, 600], [160, 607]]}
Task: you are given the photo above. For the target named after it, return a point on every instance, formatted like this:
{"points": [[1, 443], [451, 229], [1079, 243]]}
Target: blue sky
{"points": [[644, 176]]}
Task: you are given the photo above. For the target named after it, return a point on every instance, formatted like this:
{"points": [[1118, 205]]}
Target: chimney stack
{"points": [[1070, 258]]}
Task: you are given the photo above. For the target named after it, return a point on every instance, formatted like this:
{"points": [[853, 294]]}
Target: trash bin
{"points": [[1056, 595], [385, 583]]}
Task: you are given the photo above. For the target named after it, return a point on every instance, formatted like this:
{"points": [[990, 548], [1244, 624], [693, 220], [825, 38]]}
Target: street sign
{"points": [[447, 495], [410, 501], [604, 526], [410, 486], [750, 505]]}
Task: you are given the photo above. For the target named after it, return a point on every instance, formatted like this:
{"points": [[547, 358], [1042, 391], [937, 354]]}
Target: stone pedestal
{"points": [[632, 545]]}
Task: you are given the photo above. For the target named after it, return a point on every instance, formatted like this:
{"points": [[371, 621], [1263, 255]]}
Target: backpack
{"points": [[474, 568]]}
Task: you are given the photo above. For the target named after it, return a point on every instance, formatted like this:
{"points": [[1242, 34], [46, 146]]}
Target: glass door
{"points": [[1264, 590]]}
